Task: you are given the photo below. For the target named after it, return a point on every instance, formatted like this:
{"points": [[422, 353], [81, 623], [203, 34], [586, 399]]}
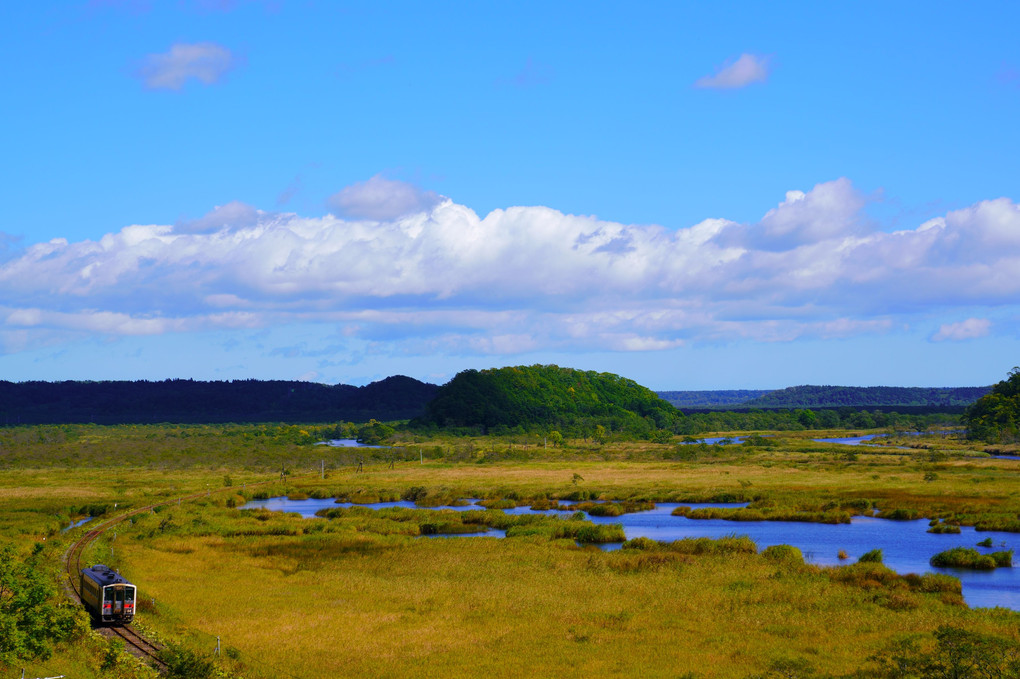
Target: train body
{"points": [[107, 595]]}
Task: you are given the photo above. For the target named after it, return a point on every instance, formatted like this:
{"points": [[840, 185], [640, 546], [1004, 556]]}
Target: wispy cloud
{"points": [[972, 328], [381, 198], [746, 70], [408, 268], [206, 62]]}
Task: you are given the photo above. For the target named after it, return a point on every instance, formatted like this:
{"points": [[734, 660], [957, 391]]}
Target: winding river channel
{"points": [[906, 545]]}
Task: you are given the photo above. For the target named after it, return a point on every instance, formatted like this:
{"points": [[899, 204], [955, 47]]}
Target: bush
{"points": [[730, 544], [783, 554], [930, 583], [874, 556], [965, 557], [900, 514], [641, 543], [414, 494], [29, 622], [956, 653], [184, 664], [866, 574]]}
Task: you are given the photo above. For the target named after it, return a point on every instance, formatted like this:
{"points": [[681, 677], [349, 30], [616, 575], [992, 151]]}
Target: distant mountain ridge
{"points": [[711, 399], [826, 396], [194, 401]]}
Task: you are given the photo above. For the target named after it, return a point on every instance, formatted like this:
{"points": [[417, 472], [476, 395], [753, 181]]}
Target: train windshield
{"points": [[129, 594], [115, 595]]}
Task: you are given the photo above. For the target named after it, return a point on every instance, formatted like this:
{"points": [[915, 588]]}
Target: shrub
{"points": [[1003, 559], [987, 542], [783, 554], [730, 544], [864, 574], [601, 533], [965, 557], [610, 509], [944, 528], [641, 543], [956, 653], [900, 514], [414, 494], [184, 664], [874, 556], [933, 583]]}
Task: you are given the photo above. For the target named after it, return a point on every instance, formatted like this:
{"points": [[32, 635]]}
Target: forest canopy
{"points": [[547, 397], [995, 417]]}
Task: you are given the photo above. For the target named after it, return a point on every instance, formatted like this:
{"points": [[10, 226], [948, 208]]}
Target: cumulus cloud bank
{"points": [[203, 61], [747, 69], [411, 269]]}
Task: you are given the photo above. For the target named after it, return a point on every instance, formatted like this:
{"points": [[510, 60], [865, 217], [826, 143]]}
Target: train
{"points": [[107, 595]]}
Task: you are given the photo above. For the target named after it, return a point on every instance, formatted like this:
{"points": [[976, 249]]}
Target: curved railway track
{"points": [[134, 643]]}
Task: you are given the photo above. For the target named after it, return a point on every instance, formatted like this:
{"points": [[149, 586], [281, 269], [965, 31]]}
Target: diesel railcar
{"points": [[107, 595]]}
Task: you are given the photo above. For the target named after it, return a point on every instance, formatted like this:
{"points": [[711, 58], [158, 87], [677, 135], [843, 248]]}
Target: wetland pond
{"points": [[906, 545], [866, 440]]}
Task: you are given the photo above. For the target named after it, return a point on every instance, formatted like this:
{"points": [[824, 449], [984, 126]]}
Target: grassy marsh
{"points": [[362, 594]]}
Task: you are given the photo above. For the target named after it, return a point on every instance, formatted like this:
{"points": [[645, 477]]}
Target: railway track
{"points": [[134, 643]]}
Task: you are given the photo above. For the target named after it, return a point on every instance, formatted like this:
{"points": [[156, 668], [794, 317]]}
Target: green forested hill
{"points": [[546, 397], [995, 417], [814, 396]]}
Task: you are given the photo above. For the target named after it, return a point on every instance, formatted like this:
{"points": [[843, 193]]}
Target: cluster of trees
{"points": [[806, 418], [995, 417], [814, 396], [30, 623], [574, 403], [193, 401], [546, 397]]}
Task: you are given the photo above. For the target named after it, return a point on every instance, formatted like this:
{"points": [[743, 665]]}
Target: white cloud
{"points": [[436, 276], [380, 198], [206, 62], [972, 328], [747, 69], [233, 215]]}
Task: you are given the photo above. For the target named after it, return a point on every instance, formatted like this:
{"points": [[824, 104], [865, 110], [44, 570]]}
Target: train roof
{"points": [[104, 575]]}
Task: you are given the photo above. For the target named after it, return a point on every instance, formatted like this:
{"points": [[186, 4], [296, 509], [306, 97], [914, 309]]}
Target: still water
{"points": [[906, 545]]}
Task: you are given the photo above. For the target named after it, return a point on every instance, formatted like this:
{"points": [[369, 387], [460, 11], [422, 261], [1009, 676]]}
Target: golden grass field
{"points": [[355, 597]]}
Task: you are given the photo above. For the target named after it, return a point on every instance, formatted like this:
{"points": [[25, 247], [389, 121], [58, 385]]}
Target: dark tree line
{"points": [[814, 396], [192, 401]]}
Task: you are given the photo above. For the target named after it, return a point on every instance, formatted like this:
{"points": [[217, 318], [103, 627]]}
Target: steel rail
{"points": [[135, 643]]}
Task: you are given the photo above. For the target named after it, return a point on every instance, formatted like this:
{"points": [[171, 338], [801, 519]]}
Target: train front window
{"points": [[129, 595]]}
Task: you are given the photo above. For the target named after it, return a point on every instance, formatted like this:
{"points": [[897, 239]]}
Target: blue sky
{"points": [[694, 195]]}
